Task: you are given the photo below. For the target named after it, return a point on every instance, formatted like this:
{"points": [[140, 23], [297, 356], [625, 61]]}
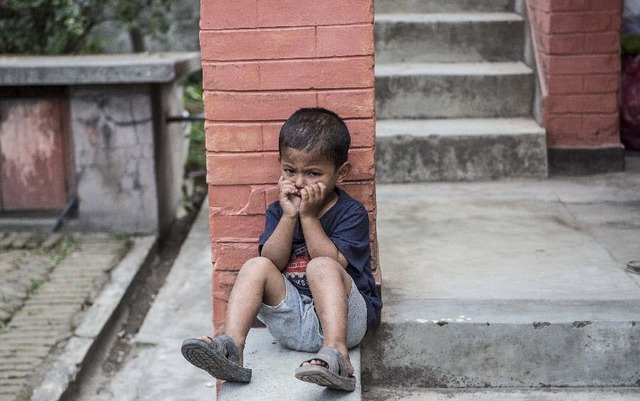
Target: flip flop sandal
{"points": [[220, 358], [336, 376]]}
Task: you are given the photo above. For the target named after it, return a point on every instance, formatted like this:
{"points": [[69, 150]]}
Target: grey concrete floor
{"points": [[554, 239]]}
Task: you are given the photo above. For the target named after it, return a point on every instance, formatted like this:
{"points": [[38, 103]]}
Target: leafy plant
{"points": [[63, 250], [196, 158], [630, 44], [142, 17], [34, 286], [46, 26], [63, 26]]}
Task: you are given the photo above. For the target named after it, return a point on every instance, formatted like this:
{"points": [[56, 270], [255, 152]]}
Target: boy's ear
{"points": [[343, 171]]}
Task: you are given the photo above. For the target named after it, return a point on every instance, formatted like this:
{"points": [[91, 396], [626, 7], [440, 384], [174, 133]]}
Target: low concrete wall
{"points": [[127, 161]]}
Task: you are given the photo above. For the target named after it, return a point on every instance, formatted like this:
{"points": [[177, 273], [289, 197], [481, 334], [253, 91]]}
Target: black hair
{"points": [[319, 131]]}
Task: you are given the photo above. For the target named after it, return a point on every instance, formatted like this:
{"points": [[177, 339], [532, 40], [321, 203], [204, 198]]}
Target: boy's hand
{"points": [[289, 197], [313, 198]]}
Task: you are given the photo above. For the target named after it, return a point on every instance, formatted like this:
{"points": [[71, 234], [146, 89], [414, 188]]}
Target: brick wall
{"points": [[262, 60], [578, 45]]}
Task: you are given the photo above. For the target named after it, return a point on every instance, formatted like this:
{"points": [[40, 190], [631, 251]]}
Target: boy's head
{"points": [[317, 131]]}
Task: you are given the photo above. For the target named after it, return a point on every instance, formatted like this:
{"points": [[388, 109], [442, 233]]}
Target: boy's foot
{"points": [[217, 356], [335, 371]]}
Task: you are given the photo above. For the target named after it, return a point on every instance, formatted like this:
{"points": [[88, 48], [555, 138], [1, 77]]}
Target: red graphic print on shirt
{"points": [[296, 270]]}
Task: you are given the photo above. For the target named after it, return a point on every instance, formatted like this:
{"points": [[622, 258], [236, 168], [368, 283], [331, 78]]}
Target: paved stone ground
{"points": [[46, 281]]}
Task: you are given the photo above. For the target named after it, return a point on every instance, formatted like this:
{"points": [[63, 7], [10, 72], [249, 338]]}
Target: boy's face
{"points": [[304, 168]]}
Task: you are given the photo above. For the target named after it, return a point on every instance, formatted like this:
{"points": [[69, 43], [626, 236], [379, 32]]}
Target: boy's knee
{"points": [[257, 265], [321, 266], [325, 270]]}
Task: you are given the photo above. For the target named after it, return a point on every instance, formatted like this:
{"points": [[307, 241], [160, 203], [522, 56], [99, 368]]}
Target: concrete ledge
{"points": [[99, 69], [441, 6], [273, 374], [548, 394], [585, 161], [459, 150], [460, 344], [448, 37], [34, 223], [466, 90]]}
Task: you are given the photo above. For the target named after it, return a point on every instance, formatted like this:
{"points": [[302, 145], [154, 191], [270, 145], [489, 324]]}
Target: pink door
{"points": [[33, 154]]}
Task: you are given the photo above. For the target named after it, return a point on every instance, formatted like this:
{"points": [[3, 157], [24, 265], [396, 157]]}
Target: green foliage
{"points": [[34, 286], [63, 250], [46, 26], [148, 15], [63, 26], [142, 17], [196, 158], [631, 44]]}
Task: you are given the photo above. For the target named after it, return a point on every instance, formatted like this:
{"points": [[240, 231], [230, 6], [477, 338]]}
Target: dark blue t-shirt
{"points": [[347, 225]]}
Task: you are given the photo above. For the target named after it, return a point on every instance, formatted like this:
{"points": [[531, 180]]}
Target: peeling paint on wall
{"points": [[32, 155]]}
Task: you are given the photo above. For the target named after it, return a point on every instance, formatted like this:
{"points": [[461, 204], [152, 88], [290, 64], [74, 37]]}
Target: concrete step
{"points": [[441, 6], [458, 90], [449, 37], [517, 283], [505, 343], [459, 150], [549, 394]]}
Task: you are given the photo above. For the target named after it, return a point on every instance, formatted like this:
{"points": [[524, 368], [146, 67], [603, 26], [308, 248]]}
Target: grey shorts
{"points": [[295, 325]]}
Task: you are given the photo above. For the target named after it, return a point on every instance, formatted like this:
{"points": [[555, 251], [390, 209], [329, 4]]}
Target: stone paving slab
{"points": [[48, 282]]}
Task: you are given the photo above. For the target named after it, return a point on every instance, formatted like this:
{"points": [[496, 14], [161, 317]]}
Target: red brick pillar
{"points": [[577, 45], [262, 60]]}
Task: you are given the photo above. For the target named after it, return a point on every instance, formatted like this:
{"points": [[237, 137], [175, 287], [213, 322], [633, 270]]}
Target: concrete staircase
{"points": [[454, 99], [507, 290]]}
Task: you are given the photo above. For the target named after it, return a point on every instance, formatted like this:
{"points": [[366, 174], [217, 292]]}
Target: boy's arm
{"points": [[318, 242], [278, 246]]}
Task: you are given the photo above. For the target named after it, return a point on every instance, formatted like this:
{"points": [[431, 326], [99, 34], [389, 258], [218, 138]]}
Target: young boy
{"points": [[312, 284]]}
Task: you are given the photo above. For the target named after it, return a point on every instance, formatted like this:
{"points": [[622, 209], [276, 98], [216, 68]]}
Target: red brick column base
{"points": [[262, 60], [577, 47]]}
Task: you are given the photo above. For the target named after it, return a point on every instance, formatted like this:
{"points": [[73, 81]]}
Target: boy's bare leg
{"points": [[330, 285], [259, 281]]}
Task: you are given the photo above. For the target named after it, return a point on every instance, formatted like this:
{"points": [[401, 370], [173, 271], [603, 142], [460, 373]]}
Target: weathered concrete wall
{"points": [[171, 147], [114, 158]]}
